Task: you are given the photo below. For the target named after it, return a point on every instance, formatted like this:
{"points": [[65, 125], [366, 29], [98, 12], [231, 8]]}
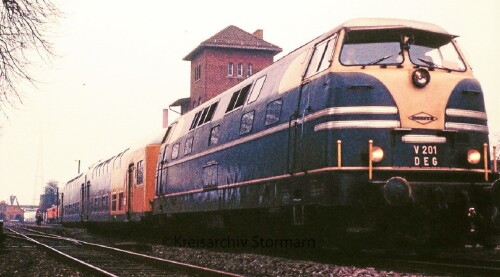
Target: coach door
{"points": [[85, 201], [306, 147], [130, 189]]}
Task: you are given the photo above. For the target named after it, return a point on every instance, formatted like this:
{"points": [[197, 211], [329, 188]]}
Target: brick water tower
{"points": [[224, 60]]}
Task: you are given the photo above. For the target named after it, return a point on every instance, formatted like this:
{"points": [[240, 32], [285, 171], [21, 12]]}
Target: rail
{"points": [[135, 261]]}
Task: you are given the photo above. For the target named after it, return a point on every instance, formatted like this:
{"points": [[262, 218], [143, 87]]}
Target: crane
{"points": [[12, 199]]}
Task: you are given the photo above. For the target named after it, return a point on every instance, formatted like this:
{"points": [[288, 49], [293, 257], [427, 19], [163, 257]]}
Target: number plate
{"points": [[425, 155]]}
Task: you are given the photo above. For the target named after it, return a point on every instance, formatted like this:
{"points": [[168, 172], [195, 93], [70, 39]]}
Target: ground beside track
{"points": [[29, 262]]}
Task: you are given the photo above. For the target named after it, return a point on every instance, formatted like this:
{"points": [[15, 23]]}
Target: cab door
{"points": [[306, 147], [161, 171]]}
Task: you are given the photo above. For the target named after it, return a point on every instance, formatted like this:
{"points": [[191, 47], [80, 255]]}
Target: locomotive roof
{"points": [[391, 23]]}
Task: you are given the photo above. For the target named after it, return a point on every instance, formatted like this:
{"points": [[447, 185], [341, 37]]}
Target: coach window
{"points": [[140, 172], [120, 201], [322, 56], [113, 202], [175, 151], [103, 204], [246, 123], [257, 87], [188, 146], [214, 136], [273, 111]]}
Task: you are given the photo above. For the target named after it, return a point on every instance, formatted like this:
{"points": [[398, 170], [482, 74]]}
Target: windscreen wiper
{"points": [[432, 64], [380, 60]]}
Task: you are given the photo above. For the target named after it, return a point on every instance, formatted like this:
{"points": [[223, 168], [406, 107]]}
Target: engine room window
{"points": [[175, 151], [188, 146], [322, 56], [257, 87], [210, 178], [214, 136], [140, 172], [273, 111], [203, 116], [246, 123], [238, 98]]}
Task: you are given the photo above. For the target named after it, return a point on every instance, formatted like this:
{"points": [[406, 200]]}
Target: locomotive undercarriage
{"points": [[425, 213], [339, 210]]}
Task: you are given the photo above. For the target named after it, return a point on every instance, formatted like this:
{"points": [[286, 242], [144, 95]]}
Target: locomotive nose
{"points": [[397, 191]]}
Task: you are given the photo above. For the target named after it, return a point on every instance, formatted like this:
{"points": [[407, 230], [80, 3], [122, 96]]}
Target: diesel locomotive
{"points": [[375, 127]]}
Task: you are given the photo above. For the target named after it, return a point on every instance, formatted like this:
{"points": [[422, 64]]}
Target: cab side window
{"points": [[321, 58]]}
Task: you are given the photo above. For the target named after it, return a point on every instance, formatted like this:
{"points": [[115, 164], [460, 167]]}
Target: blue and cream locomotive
{"points": [[377, 125], [375, 128]]}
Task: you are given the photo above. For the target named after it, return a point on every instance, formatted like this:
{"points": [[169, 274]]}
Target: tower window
{"points": [[230, 69], [249, 70], [197, 72], [240, 69]]}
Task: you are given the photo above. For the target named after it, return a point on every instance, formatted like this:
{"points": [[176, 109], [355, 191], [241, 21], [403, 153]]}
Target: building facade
{"points": [[224, 60], [9, 213]]}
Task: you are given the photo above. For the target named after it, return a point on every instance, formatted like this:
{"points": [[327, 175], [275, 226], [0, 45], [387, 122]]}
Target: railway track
{"points": [[467, 262], [447, 266], [102, 260], [433, 265]]}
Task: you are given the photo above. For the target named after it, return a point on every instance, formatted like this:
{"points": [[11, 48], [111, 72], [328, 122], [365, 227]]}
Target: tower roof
{"points": [[235, 38]]}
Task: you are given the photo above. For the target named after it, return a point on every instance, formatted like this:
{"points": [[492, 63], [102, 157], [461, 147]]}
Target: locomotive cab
{"points": [[407, 114]]}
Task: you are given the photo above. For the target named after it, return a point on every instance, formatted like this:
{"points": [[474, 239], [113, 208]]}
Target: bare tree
{"points": [[24, 32]]}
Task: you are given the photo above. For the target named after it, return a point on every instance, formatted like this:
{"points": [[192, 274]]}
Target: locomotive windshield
{"points": [[435, 51], [385, 47]]}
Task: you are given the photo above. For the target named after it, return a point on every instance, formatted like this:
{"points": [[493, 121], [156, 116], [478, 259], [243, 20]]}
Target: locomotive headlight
{"points": [[377, 154], [421, 77], [473, 156]]}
